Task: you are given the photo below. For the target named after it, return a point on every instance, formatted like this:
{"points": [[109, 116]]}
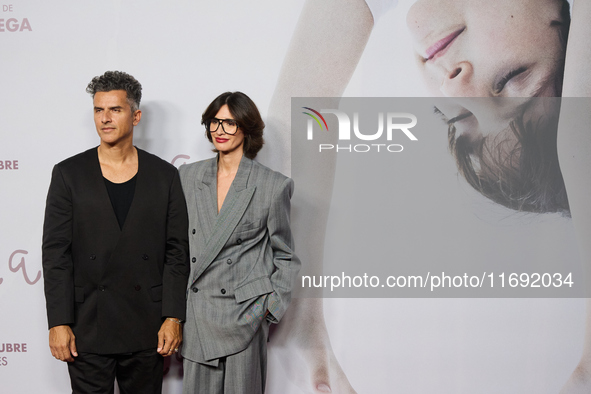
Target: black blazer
{"points": [[114, 286]]}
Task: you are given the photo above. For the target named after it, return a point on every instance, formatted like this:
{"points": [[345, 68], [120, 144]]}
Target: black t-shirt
{"points": [[121, 195]]}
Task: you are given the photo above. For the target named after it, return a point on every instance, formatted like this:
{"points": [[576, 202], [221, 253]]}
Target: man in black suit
{"points": [[115, 253]]}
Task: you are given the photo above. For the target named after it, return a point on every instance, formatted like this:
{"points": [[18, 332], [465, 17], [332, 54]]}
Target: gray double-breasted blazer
{"points": [[242, 260]]}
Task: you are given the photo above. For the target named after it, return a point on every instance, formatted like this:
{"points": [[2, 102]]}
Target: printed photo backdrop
{"points": [[185, 54]]}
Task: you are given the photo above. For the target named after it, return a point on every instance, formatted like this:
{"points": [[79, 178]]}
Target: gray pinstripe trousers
{"points": [[240, 373]]}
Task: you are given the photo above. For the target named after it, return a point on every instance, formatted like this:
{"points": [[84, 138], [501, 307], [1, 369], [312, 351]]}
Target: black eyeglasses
{"points": [[229, 126]]}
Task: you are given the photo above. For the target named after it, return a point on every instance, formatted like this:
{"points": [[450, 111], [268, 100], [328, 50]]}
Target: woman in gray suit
{"points": [[242, 261]]}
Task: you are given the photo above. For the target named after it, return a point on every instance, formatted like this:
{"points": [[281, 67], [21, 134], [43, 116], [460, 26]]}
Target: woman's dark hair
{"points": [[520, 170], [246, 114], [523, 175]]}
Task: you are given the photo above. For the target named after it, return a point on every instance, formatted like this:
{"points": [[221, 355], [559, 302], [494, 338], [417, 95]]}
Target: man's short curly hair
{"points": [[117, 80], [246, 114]]}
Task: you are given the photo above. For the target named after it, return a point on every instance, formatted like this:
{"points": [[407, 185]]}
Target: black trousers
{"points": [[139, 372]]}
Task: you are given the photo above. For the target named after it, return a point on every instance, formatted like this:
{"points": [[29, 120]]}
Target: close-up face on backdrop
{"points": [[510, 52], [477, 48]]}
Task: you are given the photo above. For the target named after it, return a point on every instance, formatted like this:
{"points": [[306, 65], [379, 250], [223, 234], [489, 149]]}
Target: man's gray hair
{"points": [[117, 80]]}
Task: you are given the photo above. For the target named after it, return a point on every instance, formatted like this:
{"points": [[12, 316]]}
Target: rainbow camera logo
{"points": [[316, 119]]}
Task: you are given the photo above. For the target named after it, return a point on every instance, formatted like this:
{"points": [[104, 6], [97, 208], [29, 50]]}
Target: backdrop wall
{"points": [[185, 54]]}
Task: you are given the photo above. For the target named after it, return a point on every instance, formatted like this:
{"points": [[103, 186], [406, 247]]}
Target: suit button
{"points": [[145, 256], [101, 288], [239, 241], [229, 261], [223, 291], [195, 290], [138, 288], [193, 231], [93, 257], [194, 259]]}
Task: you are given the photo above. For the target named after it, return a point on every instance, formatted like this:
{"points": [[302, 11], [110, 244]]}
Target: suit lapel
{"points": [[206, 196], [234, 206]]}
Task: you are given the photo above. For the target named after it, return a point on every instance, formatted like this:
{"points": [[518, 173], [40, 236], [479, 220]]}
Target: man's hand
{"points": [[62, 343], [170, 337]]}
